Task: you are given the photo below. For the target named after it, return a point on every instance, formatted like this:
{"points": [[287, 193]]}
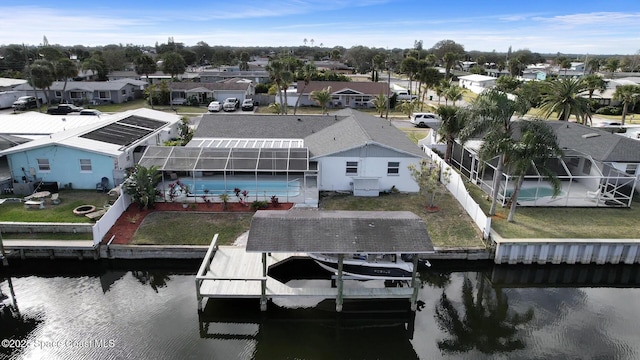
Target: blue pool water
{"points": [[266, 188], [534, 193]]}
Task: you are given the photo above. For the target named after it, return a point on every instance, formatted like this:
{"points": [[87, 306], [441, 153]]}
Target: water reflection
{"points": [[149, 309], [486, 323]]}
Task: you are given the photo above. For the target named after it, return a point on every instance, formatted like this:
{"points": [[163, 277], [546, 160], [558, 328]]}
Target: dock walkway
{"points": [[232, 272]]}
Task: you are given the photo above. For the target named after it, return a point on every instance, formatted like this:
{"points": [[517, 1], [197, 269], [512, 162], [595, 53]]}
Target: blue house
{"points": [[81, 157]]}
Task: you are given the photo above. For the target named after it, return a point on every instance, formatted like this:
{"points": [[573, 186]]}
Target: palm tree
{"points": [[42, 76], [612, 65], [453, 122], [430, 77], [563, 96], [487, 324], [628, 95], [380, 102], [441, 87], [275, 69], [491, 117], [449, 59], [144, 66], [594, 65], [95, 64], [411, 67], [306, 73], [536, 147], [140, 184], [594, 82], [322, 97], [65, 69], [453, 93]]}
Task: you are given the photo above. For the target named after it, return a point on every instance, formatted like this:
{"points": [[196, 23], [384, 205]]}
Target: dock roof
{"points": [[318, 231]]}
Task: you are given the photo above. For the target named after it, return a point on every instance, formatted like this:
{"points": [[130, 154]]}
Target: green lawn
{"points": [[170, 228], [69, 200], [562, 222]]}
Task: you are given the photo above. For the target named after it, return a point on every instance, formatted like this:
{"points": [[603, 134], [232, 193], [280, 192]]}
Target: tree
{"points": [[410, 66], [453, 93], [594, 82], [594, 65], [612, 65], [173, 64], [275, 67], [535, 148], [430, 77], [140, 184], [65, 69], [491, 117], [144, 66], [449, 59], [244, 61], [453, 121], [427, 176], [96, 65], [306, 73], [409, 106], [441, 87], [508, 84], [562, 96], [42, 76], [627, 95], [487, 325], [380, 102], [322, 97]]}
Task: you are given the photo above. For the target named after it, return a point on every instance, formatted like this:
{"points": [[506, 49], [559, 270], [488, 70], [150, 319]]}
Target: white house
{"points": [[477, 83]]}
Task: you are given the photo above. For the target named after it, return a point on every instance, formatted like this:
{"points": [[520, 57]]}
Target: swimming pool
{"points": [[534, 193], [260, 188]]}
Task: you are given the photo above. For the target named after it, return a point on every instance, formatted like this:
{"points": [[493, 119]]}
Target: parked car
{"points": [[24, 103], [93, 112], [64, 109], [247, 105], [231, 104], [214, 106], [425, 119]]}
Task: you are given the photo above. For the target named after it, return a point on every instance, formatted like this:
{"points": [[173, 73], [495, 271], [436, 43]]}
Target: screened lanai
{"points": [[262, 172], [584, 181]]}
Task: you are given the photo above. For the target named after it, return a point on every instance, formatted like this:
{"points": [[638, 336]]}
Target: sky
{"points": [[604, 27]]}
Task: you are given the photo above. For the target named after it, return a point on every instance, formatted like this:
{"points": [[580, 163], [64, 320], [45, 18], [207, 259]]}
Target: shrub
{"points": [[259, 204], [275, 202], [609, 110]]}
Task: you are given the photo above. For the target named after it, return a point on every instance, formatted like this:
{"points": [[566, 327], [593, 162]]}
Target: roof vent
{"points": [[299, 119], [590, 135]]}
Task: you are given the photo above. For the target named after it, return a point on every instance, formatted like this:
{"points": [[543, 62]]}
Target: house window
{"points": [[352, 168], [85, 165], [58, 94], [104, 95], [75, 94], [43, 165], [393, 168], [631, 169], [124, 92]]}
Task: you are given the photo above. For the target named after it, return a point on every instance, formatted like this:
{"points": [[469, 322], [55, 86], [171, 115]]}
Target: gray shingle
{"points": [[306, 230]]}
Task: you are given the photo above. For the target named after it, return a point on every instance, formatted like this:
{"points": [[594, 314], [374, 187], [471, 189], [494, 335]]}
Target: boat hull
{"points": [[366, 270]]}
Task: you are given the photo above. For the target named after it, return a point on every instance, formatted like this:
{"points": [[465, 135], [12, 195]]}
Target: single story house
{"points": [[93, 92], [80, 157], [477, 83], [217, 75], [344, 94], [206, 92], [349, 151], [534, 74], [597, 169]]}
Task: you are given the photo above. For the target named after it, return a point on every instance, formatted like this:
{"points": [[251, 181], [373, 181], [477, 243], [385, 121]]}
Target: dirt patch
{"points": [[128, 223]]}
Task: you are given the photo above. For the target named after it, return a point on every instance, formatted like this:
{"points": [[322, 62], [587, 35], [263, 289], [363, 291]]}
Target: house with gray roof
{"points": [[597, 169], [348, 151], [344, 94], [203, 93], [93, 92]]}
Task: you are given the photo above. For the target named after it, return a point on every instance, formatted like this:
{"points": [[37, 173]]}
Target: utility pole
{"points": [[388, 89]]}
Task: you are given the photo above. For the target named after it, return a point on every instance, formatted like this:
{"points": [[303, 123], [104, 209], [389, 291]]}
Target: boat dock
{"points": [[276, 236]]}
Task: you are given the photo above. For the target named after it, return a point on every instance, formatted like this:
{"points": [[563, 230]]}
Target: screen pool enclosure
{"points": [[264, 172]]}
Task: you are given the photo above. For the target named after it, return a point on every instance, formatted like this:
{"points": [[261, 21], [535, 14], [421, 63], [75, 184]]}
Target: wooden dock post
{"points": [[263, 284], [3, 256], [415, 284], [339, 299]]}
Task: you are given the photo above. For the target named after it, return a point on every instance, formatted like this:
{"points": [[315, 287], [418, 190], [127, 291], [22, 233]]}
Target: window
{"points": [[75, 94], [58, 94], [631, 169], [393, 168], [124, 92], [85, 165], [104, 95], [43, 165], [352, 168]]}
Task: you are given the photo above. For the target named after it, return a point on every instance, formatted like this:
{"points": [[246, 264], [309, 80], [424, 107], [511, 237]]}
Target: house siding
{"points": [[65, 166]]}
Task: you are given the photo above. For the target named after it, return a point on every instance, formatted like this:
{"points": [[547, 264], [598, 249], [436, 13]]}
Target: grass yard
{"points": [[449, 227], [69, 200], [562, 222], [170, 228]]}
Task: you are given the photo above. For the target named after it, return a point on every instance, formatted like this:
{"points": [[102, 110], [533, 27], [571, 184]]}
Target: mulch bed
{"points": [[125, 227]]}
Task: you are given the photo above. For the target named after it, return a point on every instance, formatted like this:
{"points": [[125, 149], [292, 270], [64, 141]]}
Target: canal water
{"points": [[148, 310]]}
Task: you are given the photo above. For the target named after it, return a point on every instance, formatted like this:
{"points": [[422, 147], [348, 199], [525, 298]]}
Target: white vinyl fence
{"points": [[457, 188], [107, 220]]}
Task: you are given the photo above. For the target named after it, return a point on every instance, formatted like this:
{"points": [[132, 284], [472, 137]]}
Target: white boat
{"points": [[369, 266]]}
